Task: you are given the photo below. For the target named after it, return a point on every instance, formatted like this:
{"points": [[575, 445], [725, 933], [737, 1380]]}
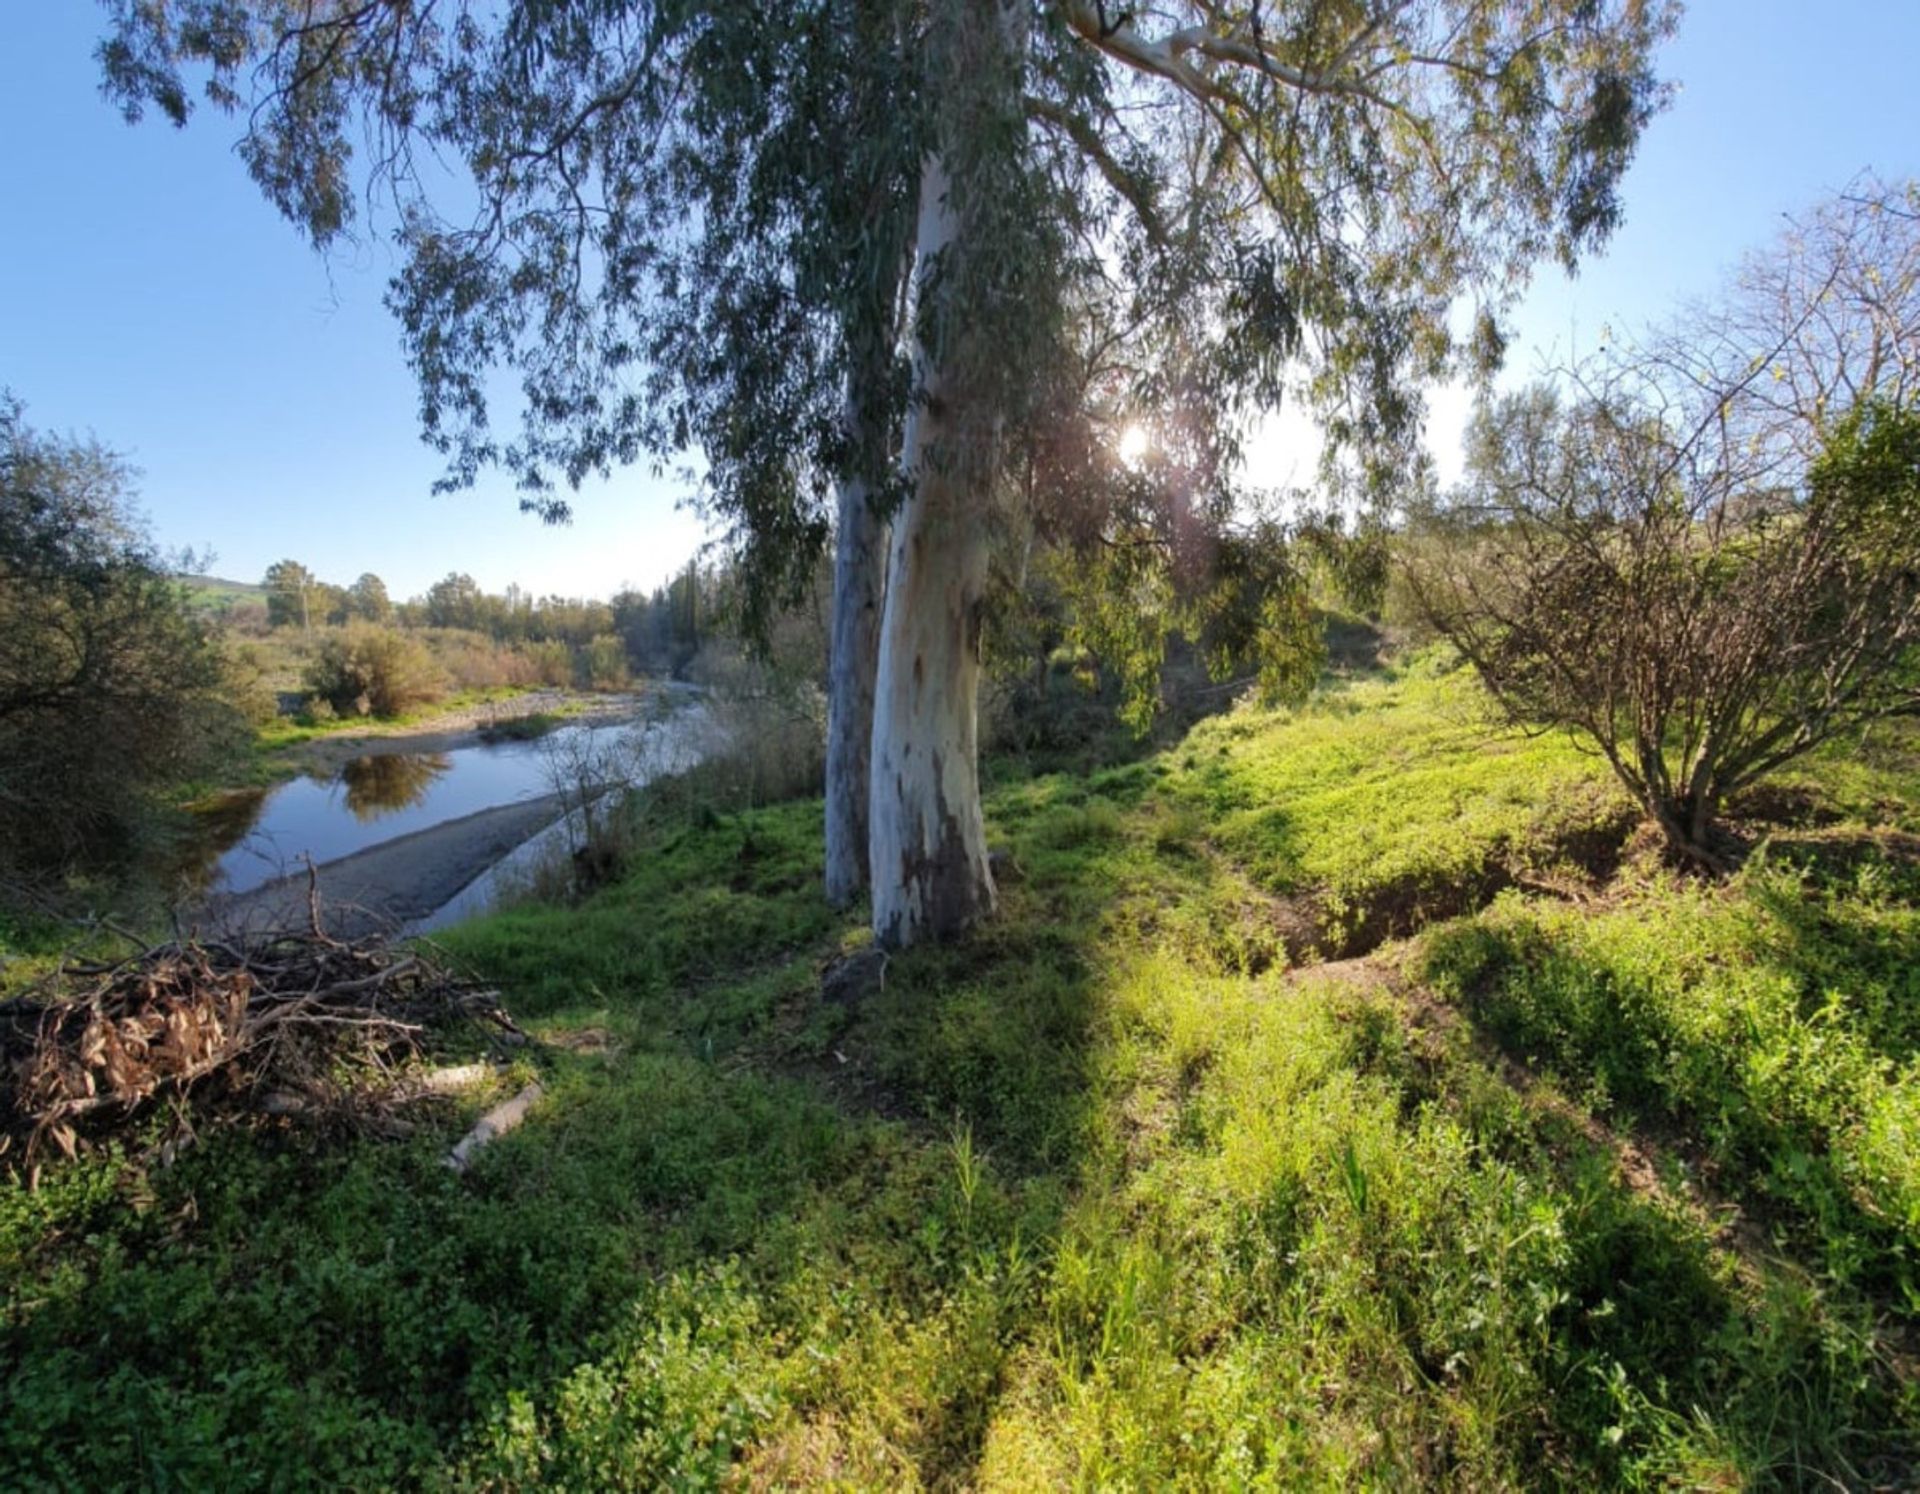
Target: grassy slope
{"points": [[214, 592], [1105, 1196]]}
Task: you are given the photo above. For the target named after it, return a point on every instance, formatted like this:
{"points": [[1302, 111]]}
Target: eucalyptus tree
{"points": [[684, 226], [1257, 198]]}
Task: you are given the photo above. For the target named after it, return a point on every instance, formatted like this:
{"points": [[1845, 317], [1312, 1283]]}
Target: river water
{"points": [[253, 839]]}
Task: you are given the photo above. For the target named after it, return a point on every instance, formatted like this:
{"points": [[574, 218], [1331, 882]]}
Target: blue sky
{"points": [[149, 294]]}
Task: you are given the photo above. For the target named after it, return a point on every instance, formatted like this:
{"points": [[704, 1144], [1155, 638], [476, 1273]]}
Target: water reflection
{"points": [[252, 838], [379, 785], [214, 828]]}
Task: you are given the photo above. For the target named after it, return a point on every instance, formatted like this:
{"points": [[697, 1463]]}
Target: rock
{"points": [[855, 977]]}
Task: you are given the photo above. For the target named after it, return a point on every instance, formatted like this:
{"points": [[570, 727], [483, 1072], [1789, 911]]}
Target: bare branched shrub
{"points": [[589, 771], [1703, 555], [767, 720]]}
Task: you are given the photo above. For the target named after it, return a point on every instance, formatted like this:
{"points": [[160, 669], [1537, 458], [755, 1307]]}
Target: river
{"points": [[417, 835]]}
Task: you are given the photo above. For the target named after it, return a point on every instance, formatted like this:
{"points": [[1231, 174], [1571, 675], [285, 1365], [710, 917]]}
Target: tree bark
{"points": [[1689, 828], [927, 834], [859, 586]]}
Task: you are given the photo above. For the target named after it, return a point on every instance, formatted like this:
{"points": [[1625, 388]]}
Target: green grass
{"points": [[287, 731], [215, 593], [1398, 796], [1105, 1196]]}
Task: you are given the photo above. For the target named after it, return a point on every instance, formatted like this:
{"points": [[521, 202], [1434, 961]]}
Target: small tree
{"points": [[112, 689], [1705, 560], [293, 598], [1623, 582], [367, 599]]}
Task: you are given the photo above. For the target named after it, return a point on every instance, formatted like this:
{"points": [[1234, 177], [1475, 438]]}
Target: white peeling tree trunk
{"points": [[859, 585], [927, 836]]}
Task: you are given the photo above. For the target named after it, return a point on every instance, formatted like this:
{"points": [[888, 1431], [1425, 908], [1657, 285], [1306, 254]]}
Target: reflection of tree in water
{"points": [[209, 832], [380, 785]]}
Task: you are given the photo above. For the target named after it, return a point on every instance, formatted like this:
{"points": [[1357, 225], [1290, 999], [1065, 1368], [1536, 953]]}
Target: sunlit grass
{"points": [[1107, 1196]]}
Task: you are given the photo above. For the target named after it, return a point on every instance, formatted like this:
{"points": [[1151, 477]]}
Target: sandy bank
{"points": [[390, 884]]}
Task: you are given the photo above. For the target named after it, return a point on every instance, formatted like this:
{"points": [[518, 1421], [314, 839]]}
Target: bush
{"points": [[550, 663], [1703, 557], [247, 684], [473, 662], [365, 670], [603, 663], [112, 690]]}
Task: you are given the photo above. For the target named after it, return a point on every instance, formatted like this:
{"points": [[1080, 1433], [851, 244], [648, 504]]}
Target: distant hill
{"points": [[217, 594]]}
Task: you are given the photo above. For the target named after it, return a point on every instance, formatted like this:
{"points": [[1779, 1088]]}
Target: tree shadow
{"points": [[1764, 1124]]}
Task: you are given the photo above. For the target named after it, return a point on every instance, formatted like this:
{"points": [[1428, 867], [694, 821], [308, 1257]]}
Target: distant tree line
{"points": [[661, 631]]}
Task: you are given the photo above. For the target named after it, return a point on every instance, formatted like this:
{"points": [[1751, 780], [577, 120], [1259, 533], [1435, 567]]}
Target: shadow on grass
{"points": [[1750, 1026], [688, 1233], [1084, 1198]]}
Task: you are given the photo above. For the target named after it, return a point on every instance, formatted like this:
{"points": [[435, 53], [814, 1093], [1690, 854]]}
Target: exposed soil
{"points": [[388, 885], [1578, 865]]}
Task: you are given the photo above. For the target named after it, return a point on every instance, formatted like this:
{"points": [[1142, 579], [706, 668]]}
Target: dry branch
{"points": [[493, 1125], [270, 1027]]}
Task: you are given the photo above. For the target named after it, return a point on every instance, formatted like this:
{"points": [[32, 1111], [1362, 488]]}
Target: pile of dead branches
{"points": [[290, 1025]]}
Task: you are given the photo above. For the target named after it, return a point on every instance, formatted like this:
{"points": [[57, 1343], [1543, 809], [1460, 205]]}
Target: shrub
{"points": [[247, 685], [111, 687], [1705, 558], [365, 670], [549, 662], [603, 663]]}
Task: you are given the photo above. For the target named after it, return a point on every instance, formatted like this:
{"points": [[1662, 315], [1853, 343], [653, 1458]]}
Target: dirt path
{"points": [[390, 884]]}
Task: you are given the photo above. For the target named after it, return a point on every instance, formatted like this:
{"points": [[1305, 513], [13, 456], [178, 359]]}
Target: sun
{"points": [[1134, 442]]}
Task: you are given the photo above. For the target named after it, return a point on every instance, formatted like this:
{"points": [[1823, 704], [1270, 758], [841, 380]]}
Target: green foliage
{"points": [[1774, 1022], [603, 663], [1246, 610], [1102, 1197], [1392, 800], [367, 599], [364, 670], [736, 218], [112, 686]]}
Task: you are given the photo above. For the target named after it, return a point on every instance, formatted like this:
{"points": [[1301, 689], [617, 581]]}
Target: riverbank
{"points": [[1344, 1097], [464, 725], [414, 837], [388, 886]]}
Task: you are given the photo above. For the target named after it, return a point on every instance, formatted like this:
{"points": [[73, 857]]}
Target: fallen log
{"points": [[496, 1123]]}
